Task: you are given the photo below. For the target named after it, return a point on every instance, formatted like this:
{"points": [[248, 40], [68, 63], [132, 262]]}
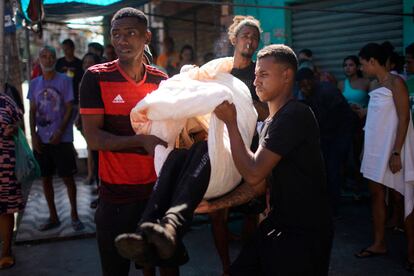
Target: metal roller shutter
{"points": [[333, 36]]}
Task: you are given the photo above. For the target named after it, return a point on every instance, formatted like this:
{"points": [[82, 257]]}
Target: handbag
{"points": [[26, 168]]}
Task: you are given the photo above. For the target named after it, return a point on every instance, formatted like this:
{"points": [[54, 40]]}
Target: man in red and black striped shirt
{"points": [[108, 92]]}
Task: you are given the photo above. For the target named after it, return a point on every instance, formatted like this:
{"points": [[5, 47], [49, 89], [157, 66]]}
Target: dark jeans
{"points": [[272, 252], [112, 220], [335, 152], [180, 187]]}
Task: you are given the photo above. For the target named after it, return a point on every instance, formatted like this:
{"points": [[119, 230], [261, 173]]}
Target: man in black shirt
{"points": [[244, 35], [72, 67], [296, 237], [335, 119], [246, 75]]}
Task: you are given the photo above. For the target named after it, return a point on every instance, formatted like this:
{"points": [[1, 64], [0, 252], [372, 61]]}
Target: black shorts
{"points": [[60, 158]]}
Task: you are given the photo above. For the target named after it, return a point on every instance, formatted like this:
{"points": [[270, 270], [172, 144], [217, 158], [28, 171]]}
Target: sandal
{"points": [[7, 262], [77, 225], [49, 225], [366, 253]]}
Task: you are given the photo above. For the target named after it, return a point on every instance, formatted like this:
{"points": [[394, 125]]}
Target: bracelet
{"points": [[395, 153]]}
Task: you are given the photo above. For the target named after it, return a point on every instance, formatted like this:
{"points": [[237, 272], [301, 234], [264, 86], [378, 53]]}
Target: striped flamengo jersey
{"points": [[106, 89]]}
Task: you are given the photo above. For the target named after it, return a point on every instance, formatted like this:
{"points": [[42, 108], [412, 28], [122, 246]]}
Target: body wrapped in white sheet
{"points": [[196, 93], [380, 131]]}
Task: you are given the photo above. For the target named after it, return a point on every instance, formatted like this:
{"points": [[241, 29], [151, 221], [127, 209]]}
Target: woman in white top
{"points": [[388, 151]]}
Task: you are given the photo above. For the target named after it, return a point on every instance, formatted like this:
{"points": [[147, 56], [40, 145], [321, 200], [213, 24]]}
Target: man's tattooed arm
{"points": [[242, 194]]}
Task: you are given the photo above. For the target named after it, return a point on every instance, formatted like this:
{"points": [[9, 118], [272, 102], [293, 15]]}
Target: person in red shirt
{"points": [[108, 92], [36, 69]]}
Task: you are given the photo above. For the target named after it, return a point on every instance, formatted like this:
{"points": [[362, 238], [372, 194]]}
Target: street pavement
{"points": [[352, 233]]}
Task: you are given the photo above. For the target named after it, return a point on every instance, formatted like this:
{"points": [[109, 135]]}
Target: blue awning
{"points": [[62, 10]]}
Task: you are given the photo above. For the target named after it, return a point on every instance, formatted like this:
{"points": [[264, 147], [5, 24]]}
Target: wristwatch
{"points": [[395, 153]]}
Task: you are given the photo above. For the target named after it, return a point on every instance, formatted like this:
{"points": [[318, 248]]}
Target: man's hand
{"points": [[10, 130], [150, 142], [36, 143], [226, 112], [56, 137]]}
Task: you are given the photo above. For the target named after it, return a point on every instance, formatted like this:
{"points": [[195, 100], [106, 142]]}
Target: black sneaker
{"points": [[134, 246], [163, 236]]}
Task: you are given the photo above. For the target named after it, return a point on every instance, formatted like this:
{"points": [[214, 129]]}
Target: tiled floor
{"points": [[36, 212]]}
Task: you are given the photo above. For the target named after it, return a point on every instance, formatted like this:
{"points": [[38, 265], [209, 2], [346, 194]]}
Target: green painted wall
{"points": [[273, 21], [408, 29]]}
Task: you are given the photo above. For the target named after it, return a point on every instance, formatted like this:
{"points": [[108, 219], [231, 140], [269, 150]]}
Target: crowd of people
{"points": [[313, 132]]}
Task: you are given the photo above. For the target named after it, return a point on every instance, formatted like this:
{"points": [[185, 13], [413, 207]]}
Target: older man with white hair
{"points": [[51, 126]]}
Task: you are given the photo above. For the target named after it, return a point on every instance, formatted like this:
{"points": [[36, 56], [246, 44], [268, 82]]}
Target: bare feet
{"points": [[7, 262], [372, 251]]}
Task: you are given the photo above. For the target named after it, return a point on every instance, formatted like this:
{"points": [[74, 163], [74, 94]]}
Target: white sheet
{"points": [[196, 93]]}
